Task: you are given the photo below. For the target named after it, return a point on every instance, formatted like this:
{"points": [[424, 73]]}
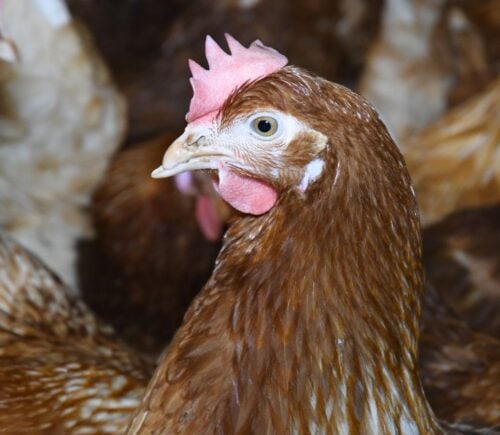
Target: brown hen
{"points": [[462, 261], [61, 370], [61, 118], [151, 255], [309, 322]]}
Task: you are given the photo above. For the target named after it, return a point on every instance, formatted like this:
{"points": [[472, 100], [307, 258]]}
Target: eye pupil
{"points": [[264, 126]]}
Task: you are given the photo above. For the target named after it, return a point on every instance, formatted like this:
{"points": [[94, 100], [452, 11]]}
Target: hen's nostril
{"points": [[200, 141]]}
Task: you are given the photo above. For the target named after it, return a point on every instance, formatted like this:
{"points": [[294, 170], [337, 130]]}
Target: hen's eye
{"points": [[265, 125]]}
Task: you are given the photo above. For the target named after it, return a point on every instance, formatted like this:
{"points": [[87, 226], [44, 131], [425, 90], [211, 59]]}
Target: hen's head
{"points": [[266, 128]]}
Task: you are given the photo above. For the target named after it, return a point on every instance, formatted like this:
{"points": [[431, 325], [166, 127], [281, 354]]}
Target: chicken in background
{"points": [[61, 370], [455, 161], [61, 118], [430, 54], [152, 257], [276, 341], [455, 166], [462, 260], [433, 75]]}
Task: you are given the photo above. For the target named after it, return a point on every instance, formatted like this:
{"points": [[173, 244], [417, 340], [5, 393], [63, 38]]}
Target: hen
{"points": [[61, 370], [429, 55], [309, 322], [61, 118], [462, 261], [151, 256]]}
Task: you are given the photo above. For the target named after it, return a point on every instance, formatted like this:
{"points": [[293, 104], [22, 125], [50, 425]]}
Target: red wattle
{"points": [[245, 194]]}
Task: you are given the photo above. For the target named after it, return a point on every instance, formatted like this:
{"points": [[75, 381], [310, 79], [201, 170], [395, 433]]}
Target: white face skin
{"points": [[240, 144]]}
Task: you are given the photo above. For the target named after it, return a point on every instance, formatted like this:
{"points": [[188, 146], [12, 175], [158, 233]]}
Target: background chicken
{"points": [[61, 370], [151, 255], [431, 56], [61, 118]]}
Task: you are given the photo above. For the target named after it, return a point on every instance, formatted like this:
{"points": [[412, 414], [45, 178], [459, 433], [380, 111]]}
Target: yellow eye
{"points": [[265, 125]]}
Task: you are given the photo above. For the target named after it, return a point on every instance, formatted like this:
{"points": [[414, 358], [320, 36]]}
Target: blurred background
{"points": [[93, 91]]}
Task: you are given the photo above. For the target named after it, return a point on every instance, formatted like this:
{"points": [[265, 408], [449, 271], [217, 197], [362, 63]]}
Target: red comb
{"points": [[228, 72]]}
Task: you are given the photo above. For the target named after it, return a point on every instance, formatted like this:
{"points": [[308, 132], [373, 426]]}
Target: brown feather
{"points": [[455, 162], [460, 368]]}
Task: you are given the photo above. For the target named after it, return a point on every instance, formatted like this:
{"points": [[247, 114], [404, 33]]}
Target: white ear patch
{"points": [[313, 171]]}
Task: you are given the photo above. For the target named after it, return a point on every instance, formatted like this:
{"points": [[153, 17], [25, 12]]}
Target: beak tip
{"points": [[159, 172]]}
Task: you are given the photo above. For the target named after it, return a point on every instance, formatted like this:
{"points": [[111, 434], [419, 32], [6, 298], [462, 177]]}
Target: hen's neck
{"points": [[325, 317]]}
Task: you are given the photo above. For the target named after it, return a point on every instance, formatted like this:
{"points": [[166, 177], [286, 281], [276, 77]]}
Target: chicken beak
{"points": [[186, 154]]}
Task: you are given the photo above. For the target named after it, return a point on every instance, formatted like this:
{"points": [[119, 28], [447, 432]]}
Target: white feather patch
{"points": [[312, 173]]}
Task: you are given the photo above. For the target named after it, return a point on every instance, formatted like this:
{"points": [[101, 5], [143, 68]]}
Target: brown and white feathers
{"points": [[61, 370], [455, 161]]}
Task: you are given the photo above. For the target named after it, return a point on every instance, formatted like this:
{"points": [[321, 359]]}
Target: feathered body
{"points": [[61, 370], [460, 368], [462, 261]]}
